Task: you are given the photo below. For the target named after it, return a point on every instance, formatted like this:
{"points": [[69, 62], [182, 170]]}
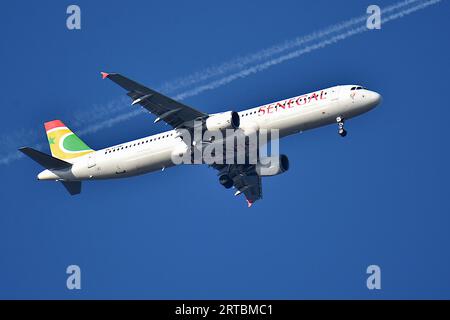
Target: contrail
{"points": [[90, 118], [267, 53], [275, 61], [295, 54], [238, 65]]}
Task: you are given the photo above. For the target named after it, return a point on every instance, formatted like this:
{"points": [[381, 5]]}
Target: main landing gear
{"points": [[340, 121]]}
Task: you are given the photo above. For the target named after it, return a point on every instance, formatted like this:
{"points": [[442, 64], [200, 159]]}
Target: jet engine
{"points": [[226, 181], [222, 121], [272, 166]]}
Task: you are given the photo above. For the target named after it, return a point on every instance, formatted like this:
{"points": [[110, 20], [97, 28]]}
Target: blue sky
{"points": [[379, 196]]}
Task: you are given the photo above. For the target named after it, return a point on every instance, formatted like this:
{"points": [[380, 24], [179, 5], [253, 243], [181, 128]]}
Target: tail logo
{"points": [[64, 144]]}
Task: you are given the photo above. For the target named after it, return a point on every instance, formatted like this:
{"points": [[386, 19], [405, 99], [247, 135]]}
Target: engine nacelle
{"points": [[272, 166], [226, 181], [222, 121]]}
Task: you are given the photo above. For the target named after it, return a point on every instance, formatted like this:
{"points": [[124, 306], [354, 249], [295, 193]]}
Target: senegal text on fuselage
{"points": [[292, 102]]}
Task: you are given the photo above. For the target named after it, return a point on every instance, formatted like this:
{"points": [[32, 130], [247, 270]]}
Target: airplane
{"points": [[73, 161]]}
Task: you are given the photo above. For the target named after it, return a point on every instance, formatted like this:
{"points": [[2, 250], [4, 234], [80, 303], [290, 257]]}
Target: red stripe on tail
{"points": [[53, 124]]}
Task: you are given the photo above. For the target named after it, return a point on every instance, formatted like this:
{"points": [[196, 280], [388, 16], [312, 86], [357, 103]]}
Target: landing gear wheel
{"points": [[340, 122]]}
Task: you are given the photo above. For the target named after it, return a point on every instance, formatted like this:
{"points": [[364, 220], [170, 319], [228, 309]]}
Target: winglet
{"points": [[104, 75], [249, 203]]}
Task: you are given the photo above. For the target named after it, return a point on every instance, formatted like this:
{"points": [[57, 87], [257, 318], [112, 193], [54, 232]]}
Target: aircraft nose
{"points": [[375, 98]]}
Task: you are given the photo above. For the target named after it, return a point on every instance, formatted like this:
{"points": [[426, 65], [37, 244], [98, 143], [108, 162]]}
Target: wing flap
{"points": [[245, 180], [250, 185]]}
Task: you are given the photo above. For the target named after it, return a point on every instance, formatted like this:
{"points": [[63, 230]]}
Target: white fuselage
{"points": [[154, 152]]}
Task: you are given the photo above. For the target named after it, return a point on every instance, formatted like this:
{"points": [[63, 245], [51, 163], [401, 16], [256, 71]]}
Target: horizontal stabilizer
{"points": [[44, 159], [74, 187]]}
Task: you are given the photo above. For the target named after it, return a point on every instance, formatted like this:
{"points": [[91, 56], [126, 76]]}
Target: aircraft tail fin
{"points": [[45, 160], [64, 144]]}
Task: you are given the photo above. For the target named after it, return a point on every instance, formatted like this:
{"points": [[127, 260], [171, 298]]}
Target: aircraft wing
{"points": [[245, 180], [166, 109]]}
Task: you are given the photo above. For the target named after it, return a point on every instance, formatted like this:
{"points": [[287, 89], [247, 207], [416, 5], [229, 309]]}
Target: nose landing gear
{"points": [[340, 121]]}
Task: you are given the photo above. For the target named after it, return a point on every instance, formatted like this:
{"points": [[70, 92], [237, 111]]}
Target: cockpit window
{"points": [[353, 88]]}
